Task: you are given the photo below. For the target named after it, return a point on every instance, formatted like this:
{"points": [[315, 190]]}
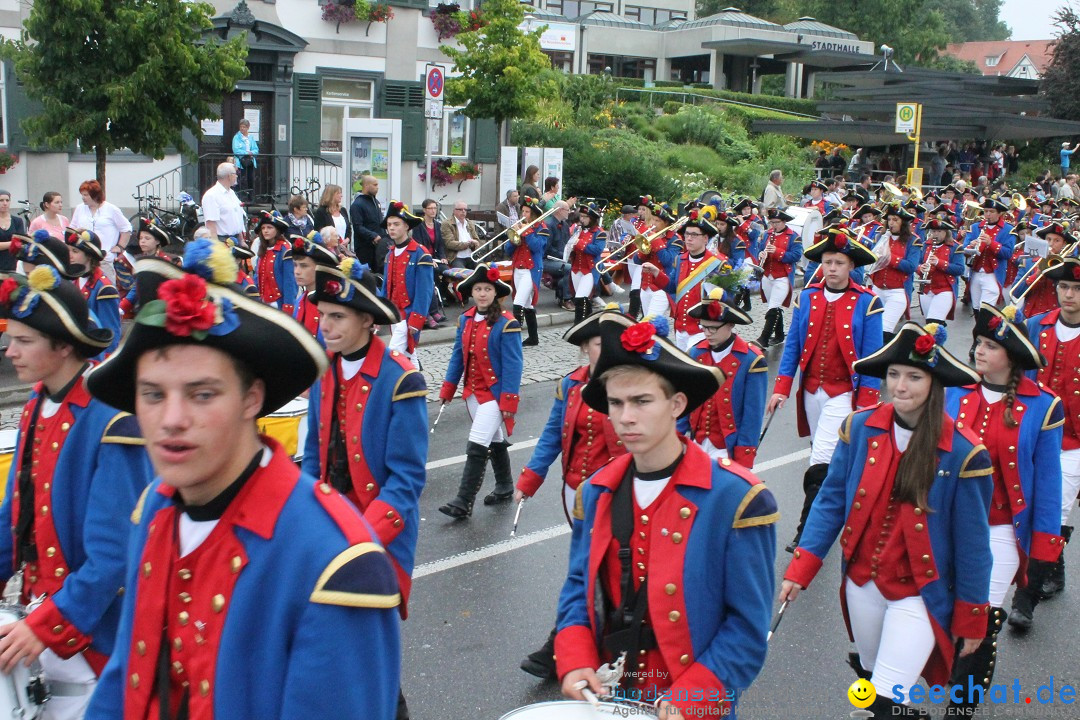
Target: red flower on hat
{"points": [[187, 307], [693, 215], [1075, 271], [840, 241], [493, 275], [638, 338], [924, 344], [995, 323], [15, 246], [6, 289], [714, 311], [398, 205], [298, 245], [333, 287]]}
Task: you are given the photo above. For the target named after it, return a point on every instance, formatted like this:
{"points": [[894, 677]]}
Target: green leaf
{"points": [[153, 314]]}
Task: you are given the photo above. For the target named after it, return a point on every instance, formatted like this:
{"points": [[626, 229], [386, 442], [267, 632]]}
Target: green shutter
{"points": [[307, 114], [485, 141], [19, 107], [404, 100]]}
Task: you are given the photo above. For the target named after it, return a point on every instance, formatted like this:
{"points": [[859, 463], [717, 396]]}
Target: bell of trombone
{"points": [[893, 195]]}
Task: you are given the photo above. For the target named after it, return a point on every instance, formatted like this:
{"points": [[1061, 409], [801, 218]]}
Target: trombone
{"points": [[1044, 264], [513, 232], [643, 243]]}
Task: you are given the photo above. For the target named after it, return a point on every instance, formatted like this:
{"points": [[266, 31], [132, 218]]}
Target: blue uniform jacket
{"points": [[101, 468], [537, 242], [283, 276], [104, 302], [1030, 458], [311, 628], [504, 359], [717, 562], [419, 283], [949, 545], [749, 392], [1006, 240]]}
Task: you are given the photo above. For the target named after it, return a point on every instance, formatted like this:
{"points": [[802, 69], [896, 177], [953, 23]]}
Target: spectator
{"points": [[244, 149], [335, 243], [836, 193], [429, 236], [1066, 157], [509, 208], [106, 221], [222, 211], [330, 212], [1070, 181], [858, 164], [50, 219], [366, 214], [937, 167], [821, 163], [460, 238], [558, 225], [1065, 191], [836, 161], [863, 188], [532, 177], [1012, 160], [9, 225], [299, 220], [551, 193], [773, 196]]}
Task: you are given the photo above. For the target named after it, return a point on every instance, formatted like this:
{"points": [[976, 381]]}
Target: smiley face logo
{"points": [[861, 693]]}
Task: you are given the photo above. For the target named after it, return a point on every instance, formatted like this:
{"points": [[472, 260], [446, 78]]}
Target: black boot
{"points": [[542, 662], [504, 482], [519, 314], [767, 331], [812, 479], [530, 323], [1055, 577], [976, 669], [779, 336], [472, 477], [580, 309], [402, 707], [745, 300], [635, 304], [1026, 598], [855, 662], [883, 707]]}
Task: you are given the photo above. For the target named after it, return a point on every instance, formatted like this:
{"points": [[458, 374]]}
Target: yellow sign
{"points": [[862, 693], [907, 118]]}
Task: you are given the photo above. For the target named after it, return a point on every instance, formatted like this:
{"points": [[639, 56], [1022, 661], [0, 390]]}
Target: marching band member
{"points": [[657, 264], [1043, 297], [687, 278], [308, 253], [44, 250], [1019, 423], [1055, 333], [1018, 261], [243, 573], [727, 424], [487, 352], [274, 271], [869, 223], [990, 243], [243, 258], [98, 290], [587, 442], [950, 203], [941, 265], [77, 471], [633, 269], [584, 255], [679, 547], [892, 282], [528, 262], [836, 322], [816, 200], [732, 246], [778, 257], [409, 278], [151, 239], [908, 492]]}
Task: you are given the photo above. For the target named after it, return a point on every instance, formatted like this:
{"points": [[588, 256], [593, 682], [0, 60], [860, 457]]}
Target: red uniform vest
{"points": [[889, 277], [268, 287], [774, 267], [1040, 299], [692, 297], [307, 313], [580, 261], [396, 264], [941, 281], [1062, 375], [660, 281], [713, 420], [827, 367], [987, 261], [523, 259], [479, 374]]}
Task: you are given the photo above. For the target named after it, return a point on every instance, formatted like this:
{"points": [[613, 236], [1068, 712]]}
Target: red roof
{"points": [[1008, 52]]}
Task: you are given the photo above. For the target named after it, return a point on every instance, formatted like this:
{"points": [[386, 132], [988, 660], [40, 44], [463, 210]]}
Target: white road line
{"points": [[446, 462], [499, 548]]}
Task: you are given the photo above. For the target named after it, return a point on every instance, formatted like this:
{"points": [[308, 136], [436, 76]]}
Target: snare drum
{"points": [[22, 693], [288, 426], [7, 454], [579, 710]]}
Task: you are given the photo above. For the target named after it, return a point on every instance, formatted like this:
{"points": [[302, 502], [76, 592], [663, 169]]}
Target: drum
{"points": [[579, 710], [22, 693], [288, 426], [807, 222], [7, 454]]}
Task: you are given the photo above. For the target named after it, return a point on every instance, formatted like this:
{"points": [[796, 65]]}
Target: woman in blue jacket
{"points": [[487, 352]]}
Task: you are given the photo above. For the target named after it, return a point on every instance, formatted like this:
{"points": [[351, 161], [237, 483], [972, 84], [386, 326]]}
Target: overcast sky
{"points": [[1030, 19]]}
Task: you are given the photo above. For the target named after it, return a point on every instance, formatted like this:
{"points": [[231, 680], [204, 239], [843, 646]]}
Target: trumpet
{"points": [[643, 244], [513, 232]]}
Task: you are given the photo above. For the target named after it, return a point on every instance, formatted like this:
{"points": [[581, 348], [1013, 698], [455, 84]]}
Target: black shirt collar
{"points": [[662, 473], [58, 397], [214, 509]]}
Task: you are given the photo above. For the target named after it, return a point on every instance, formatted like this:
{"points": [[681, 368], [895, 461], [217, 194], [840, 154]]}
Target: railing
{"points": [[277, 177], [682, 96]]}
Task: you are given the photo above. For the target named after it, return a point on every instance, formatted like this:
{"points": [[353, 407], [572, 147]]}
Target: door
{"points": [[216, 147]]}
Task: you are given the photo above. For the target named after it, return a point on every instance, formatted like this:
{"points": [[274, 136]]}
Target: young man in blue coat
{"points": [[253, 591], [409, 279], [78, 470], [679, 547]]}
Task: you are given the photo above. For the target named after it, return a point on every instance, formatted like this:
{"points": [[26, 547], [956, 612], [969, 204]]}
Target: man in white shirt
{"points": [[222, 211]]}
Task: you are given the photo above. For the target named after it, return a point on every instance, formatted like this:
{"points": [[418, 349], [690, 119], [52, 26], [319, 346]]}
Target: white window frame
{"points": [[443, 148], [992, 60], [343, 105]]}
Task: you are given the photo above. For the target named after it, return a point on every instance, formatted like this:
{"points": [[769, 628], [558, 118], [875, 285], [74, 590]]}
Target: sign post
{"points": [[434, 82], [909, 124]]}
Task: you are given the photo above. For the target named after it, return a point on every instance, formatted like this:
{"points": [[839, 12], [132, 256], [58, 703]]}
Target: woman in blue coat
{"points": [[908, 493], [487, 352], [1020, 424]]}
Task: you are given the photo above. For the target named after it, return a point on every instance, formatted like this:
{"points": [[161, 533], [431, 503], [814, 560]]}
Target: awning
{"points": [[871, 133]]}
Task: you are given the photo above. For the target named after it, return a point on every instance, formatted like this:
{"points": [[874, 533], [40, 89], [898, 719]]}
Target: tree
{"points": [[1060, 82], [970, 20], [112, 74], [907, 26]]}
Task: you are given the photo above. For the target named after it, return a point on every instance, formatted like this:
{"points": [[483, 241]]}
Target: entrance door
{"points": [[258, 109]]}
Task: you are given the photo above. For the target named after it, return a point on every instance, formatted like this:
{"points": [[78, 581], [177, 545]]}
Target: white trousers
{"points": [[654, 303], [634, 271], [1070, 482], [894, 637], [399, 340], [936, 305], [716, 453], [984, 289], [74, 672], [487, 422], [1006, 562], [569, 497], [684, 340], [583, 284], [776, 290], [895, 302], [825, 415], [523, 288]]}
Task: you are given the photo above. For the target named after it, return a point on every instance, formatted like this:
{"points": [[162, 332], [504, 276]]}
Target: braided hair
{"points": [[1015, 375]]}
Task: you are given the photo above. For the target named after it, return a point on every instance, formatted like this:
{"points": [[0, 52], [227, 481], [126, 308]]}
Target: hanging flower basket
{"points": [[444, 171], [7, 161], [343, 12], [449, 20]]}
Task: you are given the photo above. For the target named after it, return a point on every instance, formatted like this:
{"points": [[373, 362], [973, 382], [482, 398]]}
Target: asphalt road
{"points": [[481, 602]]}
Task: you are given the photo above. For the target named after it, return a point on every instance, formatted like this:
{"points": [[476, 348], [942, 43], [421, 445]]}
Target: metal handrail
{"points": [[684, 93]]}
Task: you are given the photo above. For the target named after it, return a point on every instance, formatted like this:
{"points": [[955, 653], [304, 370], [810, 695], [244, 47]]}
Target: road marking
{"points": [[445, 462], [505, 546]]}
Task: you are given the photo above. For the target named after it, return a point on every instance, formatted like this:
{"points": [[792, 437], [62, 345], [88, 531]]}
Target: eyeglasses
{"points": [[710, 329], [693, 234]]}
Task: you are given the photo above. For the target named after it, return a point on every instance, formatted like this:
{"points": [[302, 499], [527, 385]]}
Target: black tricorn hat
{"points": [[778, 214], [85, 240], [991, 202], [938, 224], [272, 217], [1067, 269], [352, 285], [839, 239], [147, 225], [662, 211], [590, 326], [1055, 227], [998, 325], [485, 274], [699, 221], [54, 307], [715, 309], [200, 304], [311, 245], [864, 209], [921, 347], [737, 207], [401, 210], [625, 342], [591, 209], [44, 249]]}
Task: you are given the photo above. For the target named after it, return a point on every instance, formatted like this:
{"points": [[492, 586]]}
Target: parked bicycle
{"points": [[311, 191], [26, 212], [181, 225]]}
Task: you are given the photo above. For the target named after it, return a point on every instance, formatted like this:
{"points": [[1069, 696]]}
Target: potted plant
{"points": [[449, 20], [7, 161], [445, 171], [343, 12]]}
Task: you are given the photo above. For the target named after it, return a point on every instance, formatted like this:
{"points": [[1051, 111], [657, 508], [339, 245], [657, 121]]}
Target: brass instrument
{"points": [[513, 232], [916, 193], [643, 245], [1018, 202], [893, 194], [1044, 264]]}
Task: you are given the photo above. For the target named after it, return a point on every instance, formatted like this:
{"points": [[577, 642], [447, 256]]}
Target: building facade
{"points": [[1025, 59]]}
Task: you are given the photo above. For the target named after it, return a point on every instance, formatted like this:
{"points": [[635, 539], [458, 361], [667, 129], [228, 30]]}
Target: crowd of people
{"points": [[170, 561]]}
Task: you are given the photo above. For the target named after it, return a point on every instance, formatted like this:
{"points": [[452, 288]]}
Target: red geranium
{"points": [[924, 344], [493, 275], [187, 307], [1075, 271], [638, 338], [7, 288], [333, 287], [995, 323]]}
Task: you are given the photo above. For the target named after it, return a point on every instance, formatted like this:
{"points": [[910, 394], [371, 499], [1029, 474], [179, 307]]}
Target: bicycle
{"points": [[311, 192], [182, 225], [26, 212]]}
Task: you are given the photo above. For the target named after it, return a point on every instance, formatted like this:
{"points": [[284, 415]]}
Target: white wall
{"points": [[307, 61], [304, 17], [120, 179]]}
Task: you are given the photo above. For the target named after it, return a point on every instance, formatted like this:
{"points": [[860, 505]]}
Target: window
{"points": [[652, 16], [452, 140], [3, 107], [992, 60], [341, 100], [577, 8]]}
